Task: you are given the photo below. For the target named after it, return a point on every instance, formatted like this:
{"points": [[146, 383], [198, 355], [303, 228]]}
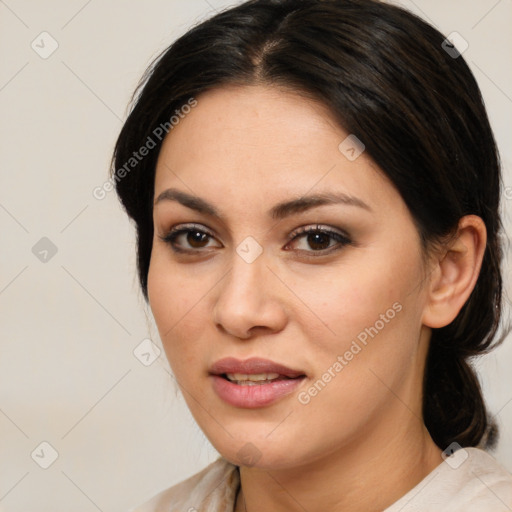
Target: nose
{"points": [[249, 300]]}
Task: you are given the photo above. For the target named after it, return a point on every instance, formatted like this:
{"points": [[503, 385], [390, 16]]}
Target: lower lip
{"points": [[251, 397]]}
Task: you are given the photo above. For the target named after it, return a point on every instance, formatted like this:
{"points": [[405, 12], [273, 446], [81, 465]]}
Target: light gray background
{"points": [[68, 375]]}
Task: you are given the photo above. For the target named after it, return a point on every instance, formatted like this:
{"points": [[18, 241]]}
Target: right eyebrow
{"points": [[190, 201]]}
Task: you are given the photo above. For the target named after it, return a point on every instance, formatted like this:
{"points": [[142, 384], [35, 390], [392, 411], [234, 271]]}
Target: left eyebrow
{"points": [[279, 211], [301, 204]]}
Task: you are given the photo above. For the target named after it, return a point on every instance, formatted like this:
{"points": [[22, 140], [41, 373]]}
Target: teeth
{"points": [[251, 380]]}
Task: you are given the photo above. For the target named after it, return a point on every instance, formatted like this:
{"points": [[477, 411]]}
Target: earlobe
{"points": [[455, 272]]}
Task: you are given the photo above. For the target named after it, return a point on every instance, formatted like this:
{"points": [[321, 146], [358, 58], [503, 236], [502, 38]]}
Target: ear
{"points": [[454, 272]]}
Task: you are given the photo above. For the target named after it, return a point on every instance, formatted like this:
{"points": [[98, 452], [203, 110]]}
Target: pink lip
{"points": [[252, 366], [259, 395]]}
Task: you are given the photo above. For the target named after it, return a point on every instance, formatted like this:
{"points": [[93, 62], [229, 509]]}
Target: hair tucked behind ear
{"points": [[453, 406], [384, 74], [454, 410]]}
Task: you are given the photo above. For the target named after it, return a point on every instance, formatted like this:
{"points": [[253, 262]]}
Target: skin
{"points": [[361, 443]]}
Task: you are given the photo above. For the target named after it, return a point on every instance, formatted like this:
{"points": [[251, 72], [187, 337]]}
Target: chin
{"points": [[259, 453]]}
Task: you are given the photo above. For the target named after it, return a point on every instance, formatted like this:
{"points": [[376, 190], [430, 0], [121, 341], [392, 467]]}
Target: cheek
{"points": [[358, 373], [176, 301], [359, 297], [371, 315]]}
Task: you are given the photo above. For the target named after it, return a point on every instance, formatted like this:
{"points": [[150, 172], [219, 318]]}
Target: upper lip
{"points": [[252, 366]]}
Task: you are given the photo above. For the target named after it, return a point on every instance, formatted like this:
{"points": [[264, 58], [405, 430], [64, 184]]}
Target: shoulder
{"points": [[470, 480], [215, 486], [485, 481]]}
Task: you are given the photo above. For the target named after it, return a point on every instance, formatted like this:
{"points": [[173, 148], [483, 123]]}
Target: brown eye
{"points": [[196, 239], [318, 239], [188, 239]]}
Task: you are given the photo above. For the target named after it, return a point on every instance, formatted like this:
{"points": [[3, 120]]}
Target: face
{"points": [[329, 287]]}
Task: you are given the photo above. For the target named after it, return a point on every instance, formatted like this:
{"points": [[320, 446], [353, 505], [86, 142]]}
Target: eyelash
{"points": [[342, 239]]}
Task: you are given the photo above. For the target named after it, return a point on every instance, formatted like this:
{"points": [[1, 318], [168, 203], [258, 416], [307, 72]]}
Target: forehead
{"points": [[250, 119], [256, 140]]}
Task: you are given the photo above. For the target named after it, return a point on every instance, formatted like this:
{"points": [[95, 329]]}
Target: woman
{"points": [[315, 187]]}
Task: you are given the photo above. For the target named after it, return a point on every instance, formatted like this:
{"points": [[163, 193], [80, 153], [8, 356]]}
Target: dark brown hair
{"points": [[388, 78]]}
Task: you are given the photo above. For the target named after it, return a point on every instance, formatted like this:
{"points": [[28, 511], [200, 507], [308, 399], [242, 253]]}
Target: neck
{"points": [[365, 476]]}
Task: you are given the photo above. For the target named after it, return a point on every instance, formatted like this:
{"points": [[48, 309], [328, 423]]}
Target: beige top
{"points": [[468, 481]]}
